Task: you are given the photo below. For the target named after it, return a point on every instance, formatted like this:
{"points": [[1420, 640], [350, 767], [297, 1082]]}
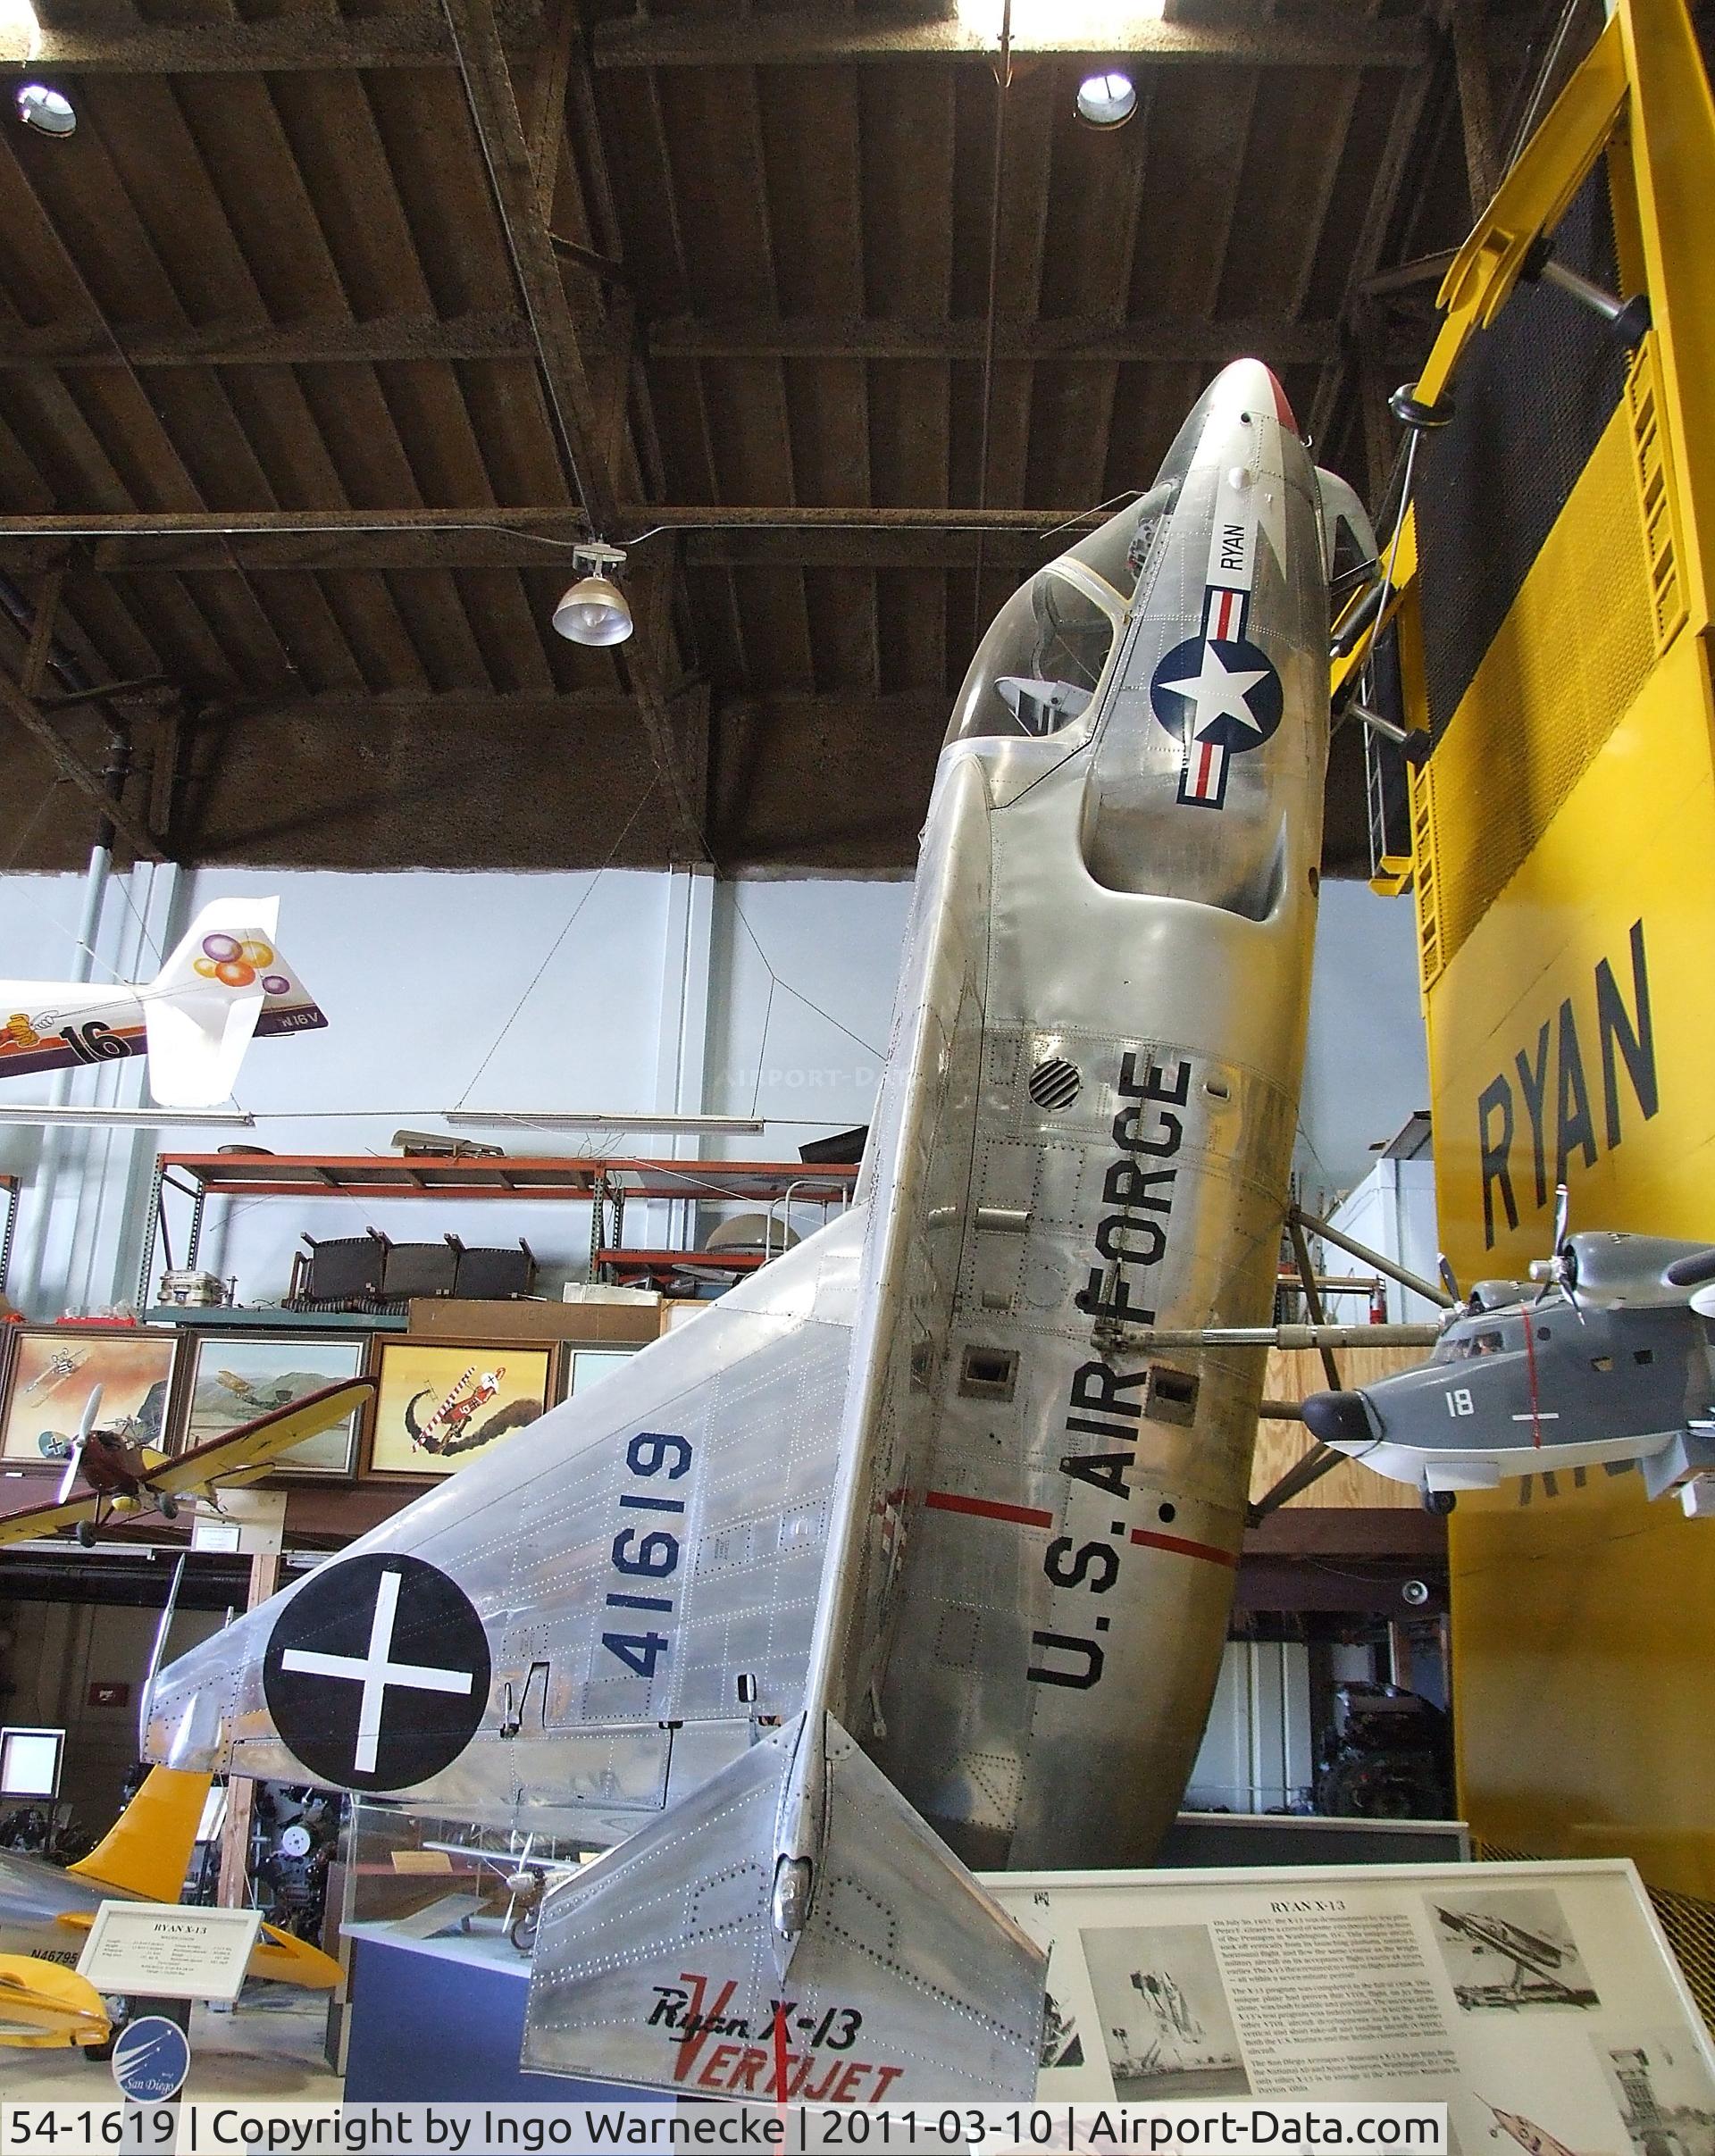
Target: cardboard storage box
{"points": [[448, 1318]]}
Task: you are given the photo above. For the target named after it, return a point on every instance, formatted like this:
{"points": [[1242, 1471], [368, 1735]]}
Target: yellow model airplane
{"points": [[45, 1914], [121, 1478]]}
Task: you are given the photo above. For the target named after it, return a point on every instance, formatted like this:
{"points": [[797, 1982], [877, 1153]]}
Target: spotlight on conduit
{"points": [[1107, 100], [594, 610], [46, 110]]}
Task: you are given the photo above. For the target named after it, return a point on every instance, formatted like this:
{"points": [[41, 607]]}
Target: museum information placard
{"points": [[147, 1949], [1540, 2002]]}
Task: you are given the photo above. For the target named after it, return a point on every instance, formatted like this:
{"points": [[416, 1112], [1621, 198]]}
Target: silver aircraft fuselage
{"points": [[1145, 971]]}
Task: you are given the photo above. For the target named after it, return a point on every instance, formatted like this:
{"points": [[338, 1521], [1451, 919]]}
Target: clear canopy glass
{"points": [[1038, 666]]}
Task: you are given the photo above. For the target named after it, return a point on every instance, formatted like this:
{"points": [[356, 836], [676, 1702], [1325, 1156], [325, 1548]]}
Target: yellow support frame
{"points": [[1579, 1616]]}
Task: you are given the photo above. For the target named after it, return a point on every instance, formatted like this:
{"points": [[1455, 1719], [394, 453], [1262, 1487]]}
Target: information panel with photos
{"points": [[1540, 2002]]}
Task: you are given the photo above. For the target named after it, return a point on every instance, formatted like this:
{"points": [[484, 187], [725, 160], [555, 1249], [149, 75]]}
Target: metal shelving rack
{"points": [[604, 1184]]}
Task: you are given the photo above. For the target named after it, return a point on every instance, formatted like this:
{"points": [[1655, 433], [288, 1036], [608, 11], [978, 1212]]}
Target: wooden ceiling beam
{"points": [[196, 544], [381, 338], [412, 34], [514, 173], [25, 711], [1164, 338], [815, 36], [1372, 242], [591, 707], [502, 334]]}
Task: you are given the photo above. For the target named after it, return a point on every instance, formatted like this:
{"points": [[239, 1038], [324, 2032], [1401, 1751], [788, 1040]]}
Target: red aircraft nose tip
{"points": [[1283, 410]]}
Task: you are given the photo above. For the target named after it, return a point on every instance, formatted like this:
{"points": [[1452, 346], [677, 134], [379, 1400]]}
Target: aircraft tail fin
{"points": [[662, 1962], [146, 1851], [223, 982]]}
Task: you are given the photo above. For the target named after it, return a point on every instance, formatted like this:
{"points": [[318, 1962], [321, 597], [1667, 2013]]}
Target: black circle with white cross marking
{"points": [[376, 1672]]}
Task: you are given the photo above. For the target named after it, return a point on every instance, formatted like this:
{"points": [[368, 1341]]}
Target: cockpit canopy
{"points": [[1038, 666]]}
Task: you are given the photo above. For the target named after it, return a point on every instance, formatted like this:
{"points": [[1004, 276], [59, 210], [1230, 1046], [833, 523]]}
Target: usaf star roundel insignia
{"points": [[376, 1672], [1220, 689]]}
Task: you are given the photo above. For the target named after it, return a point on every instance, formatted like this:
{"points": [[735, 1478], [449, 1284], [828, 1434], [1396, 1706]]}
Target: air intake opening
{"points": [[1170, 1395], [988, 1374]]}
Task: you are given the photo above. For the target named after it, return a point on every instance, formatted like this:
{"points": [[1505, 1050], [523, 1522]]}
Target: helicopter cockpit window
{"points": [[1037, 668]]}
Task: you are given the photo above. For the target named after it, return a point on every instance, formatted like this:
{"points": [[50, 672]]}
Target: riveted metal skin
{"points": [[905, 1533]]}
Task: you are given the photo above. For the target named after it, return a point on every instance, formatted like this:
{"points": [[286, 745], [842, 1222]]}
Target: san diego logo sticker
{"points": [[376, 1672], [1218, 694], [150, 2058]]}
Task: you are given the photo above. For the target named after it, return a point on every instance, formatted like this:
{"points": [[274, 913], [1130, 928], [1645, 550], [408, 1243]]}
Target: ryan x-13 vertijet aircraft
{"points": [[224, 983], [906, 1555]]}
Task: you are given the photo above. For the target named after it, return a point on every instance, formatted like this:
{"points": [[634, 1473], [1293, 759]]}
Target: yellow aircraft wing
{"points": [[279, 1956], [252, 1449], [42, 2005], [240, 1456], [37, 1520]]}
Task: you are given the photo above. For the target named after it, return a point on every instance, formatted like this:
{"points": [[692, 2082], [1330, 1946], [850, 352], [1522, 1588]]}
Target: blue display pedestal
{"points": [[443, 2020]]}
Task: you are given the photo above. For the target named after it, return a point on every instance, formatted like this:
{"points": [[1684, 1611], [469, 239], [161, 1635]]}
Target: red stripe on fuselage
{"points": [[986, 1508], [1178, 1544], [1023, 1516]]}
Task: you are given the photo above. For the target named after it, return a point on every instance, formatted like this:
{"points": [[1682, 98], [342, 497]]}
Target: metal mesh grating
{"points": [[1570, 655], [1550, 579], [1534, 396], [1688, 1922]]}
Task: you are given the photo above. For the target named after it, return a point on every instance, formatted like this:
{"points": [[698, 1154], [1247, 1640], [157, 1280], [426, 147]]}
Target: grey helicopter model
{"points": [[1609, 1361]]}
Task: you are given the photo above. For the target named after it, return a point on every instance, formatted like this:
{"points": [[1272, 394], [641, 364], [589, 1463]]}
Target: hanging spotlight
{"points": [[1107, 100], [46, 110], [594, 610]]}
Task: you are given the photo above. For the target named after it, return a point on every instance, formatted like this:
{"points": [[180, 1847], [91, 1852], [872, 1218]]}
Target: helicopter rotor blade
{"points": [[1562, 1216], [1449, 1278]]}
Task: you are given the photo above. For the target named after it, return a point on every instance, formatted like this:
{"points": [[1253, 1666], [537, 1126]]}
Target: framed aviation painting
{"points": [[442, 1405], [56, 1369], [235, 1377]]}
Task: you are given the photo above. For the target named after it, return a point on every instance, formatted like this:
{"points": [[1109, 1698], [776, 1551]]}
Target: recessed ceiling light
{"points": [[46, 110], [1107, 100]]}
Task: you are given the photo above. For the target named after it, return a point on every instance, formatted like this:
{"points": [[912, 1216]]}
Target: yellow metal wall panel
{"points": [[1571, 654], [1580, 1669], [1565, 879], [1580, 1621], [1658, 496], [1634, 844], [1671, 119]]}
